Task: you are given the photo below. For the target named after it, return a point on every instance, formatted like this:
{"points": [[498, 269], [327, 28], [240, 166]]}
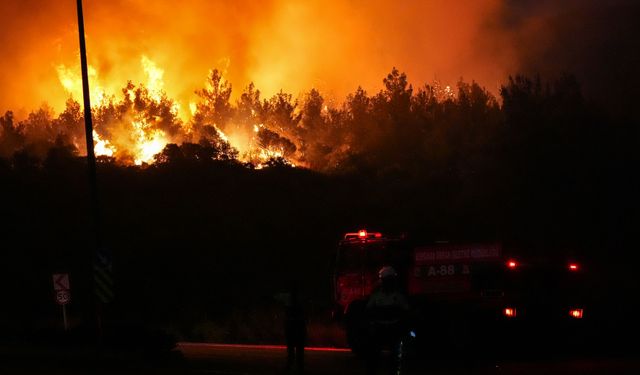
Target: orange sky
{"points": [[279, 44]]}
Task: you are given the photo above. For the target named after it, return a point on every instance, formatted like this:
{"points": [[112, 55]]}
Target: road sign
{"points": [[61, 287], [61, 282], [63, 297]]}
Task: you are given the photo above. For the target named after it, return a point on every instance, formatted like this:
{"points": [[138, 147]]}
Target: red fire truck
{"points": [[459, 293]]}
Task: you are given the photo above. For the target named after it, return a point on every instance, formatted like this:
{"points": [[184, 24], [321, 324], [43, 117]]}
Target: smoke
{"points": [[278, 44], [597, 41], [334, 46]]}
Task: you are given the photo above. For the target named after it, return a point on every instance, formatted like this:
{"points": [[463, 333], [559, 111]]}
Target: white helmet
{"points": [[387, 271]]}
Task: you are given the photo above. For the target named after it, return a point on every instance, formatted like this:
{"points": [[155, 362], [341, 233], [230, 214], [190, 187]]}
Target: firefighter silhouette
{"points": [[295, 328], [386, 312]]}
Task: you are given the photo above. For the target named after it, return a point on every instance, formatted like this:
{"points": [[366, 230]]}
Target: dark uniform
{"points": [[295, 330], [386, 310]]}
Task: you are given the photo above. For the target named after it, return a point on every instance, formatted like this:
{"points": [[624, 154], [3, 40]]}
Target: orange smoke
{"points": [[334, 46]]}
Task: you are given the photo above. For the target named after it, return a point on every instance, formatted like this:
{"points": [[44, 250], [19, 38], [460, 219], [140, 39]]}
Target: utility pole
{"points": [[88, 128], [100, 257]]}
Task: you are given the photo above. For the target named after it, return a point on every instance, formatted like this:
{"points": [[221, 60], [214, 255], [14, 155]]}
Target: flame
{"points": [[71, 81], [102, 147], [155, 82], [148, 142], [144, 142], [266, 154], [137, 139], [221, 134], [148, 149]]}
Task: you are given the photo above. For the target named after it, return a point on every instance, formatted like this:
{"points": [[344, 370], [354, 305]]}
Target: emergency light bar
{"points": [[362, 234]]}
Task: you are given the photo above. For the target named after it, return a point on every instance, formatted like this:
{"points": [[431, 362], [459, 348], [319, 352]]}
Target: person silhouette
{"points": [[295, 329], [386, 311]]}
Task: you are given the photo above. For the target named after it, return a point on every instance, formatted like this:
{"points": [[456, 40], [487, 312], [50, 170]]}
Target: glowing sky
{"points": [[334, 46]]}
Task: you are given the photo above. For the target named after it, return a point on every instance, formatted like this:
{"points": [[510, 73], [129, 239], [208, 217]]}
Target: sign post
{"points": [[62, 290]]}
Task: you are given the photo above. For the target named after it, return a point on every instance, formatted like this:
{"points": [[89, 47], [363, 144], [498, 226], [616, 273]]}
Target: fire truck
{"points": [[461, 295]]}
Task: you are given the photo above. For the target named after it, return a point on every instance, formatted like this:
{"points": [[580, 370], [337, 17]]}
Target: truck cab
{"points": [[359, 257]]}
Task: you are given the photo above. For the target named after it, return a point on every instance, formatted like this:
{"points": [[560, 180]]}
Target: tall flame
{"points": [[155, 82], [71, 81]]}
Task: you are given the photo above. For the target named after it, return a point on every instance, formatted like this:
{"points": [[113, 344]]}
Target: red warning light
{"points": [[512, 264], [362, 233], [573, 267], [509, 312], [576, 313]]}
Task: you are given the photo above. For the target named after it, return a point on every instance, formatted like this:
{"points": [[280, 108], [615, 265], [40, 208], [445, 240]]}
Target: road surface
{"points": [[217, 359], [214, 359]]}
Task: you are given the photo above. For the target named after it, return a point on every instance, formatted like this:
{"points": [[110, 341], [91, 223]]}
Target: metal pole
{"points": [[88, 128], [91, 157]]}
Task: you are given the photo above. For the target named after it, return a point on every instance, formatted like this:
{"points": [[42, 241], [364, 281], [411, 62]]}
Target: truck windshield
{"points": [[368, 256]]}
